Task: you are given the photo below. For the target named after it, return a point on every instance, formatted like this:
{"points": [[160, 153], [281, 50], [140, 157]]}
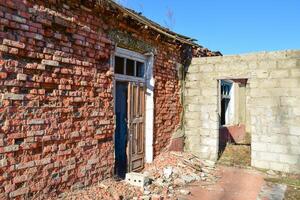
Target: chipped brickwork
{"points": [[56, 86], [56, 94]]}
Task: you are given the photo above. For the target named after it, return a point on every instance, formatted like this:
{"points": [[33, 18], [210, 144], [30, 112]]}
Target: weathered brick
{"points": [[62, 21], [12, 43], [41, 67], [50, 63], [12, 50], [36, 133], [25, 165], [104, 122], [11, 148], [20, 179], [24, 27], [93, 161], [72, 99], [36, 122], [44, 161], [18, 192], [18, 19], [3, 48], [3, 75], [34, 35], [12, 96], [9, 188], [3, 162], [75, 134], [21, 77]]}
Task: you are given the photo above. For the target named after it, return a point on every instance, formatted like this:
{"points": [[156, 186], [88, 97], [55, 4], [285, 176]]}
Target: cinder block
{"points": [[276, 148], [209, 141], [194, 108], [295, 73], [289, 83], [294, 130], [267, 156], [137, 179], [295, 150], [262, 73], [289, 159], [279, 166], [294, 168], [279, 74], [260, 164], [287, 63], [257, 146], [193, 92]]}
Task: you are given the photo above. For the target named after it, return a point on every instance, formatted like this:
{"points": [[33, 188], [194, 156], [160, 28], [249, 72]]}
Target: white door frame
{"points": [[148, 59]]}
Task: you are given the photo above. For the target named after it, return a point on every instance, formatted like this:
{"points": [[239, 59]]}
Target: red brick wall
{"points": [[167, 100], [56, 109]]}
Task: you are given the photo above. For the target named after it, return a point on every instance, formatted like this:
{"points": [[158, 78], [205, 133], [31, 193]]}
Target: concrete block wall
{"points": [[272, 106]]}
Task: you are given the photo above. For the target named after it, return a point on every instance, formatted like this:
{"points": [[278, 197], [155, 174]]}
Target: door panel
{"points": [[136, 126]]}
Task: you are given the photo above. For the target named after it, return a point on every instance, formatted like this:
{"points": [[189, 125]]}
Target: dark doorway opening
{"points": [[121, 129], [234, 140]]}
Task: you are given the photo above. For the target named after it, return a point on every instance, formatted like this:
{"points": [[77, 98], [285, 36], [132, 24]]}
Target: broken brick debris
{"points": [[169, 174]]}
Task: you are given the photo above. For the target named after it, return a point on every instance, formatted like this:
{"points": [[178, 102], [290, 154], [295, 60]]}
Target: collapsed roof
{"points": [[162, 30]]}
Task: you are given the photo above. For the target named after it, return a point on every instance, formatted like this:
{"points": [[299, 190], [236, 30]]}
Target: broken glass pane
{"points": [[140, 69], [119, 65], [129, 67]]}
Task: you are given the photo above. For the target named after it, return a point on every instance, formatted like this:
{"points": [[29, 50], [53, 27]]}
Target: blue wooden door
{"points": [[121, 129]]}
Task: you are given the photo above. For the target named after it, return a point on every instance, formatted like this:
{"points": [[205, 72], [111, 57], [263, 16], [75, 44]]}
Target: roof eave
{"points": [[162, 30]]}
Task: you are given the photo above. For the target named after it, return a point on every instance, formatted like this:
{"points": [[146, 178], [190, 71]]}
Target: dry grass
{"points": [[293, 185], [236, 155]]}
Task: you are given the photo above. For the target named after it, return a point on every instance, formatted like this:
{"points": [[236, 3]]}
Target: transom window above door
{"points": [[129, 67]]}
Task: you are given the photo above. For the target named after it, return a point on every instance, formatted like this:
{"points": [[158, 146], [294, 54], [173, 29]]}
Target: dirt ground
{"points": [[236, 155], [182, 176], [169, 174]]}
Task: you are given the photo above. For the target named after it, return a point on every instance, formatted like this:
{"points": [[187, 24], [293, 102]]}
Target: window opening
{"points": [[119, 65], [129, 67]]}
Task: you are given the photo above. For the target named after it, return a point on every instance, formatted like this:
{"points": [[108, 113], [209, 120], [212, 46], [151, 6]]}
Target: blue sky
{"points": [[229, 26]]}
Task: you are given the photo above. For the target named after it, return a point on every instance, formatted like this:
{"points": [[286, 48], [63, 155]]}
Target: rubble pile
{"points": [[108, 189], [169, 174], [170, 171]]}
